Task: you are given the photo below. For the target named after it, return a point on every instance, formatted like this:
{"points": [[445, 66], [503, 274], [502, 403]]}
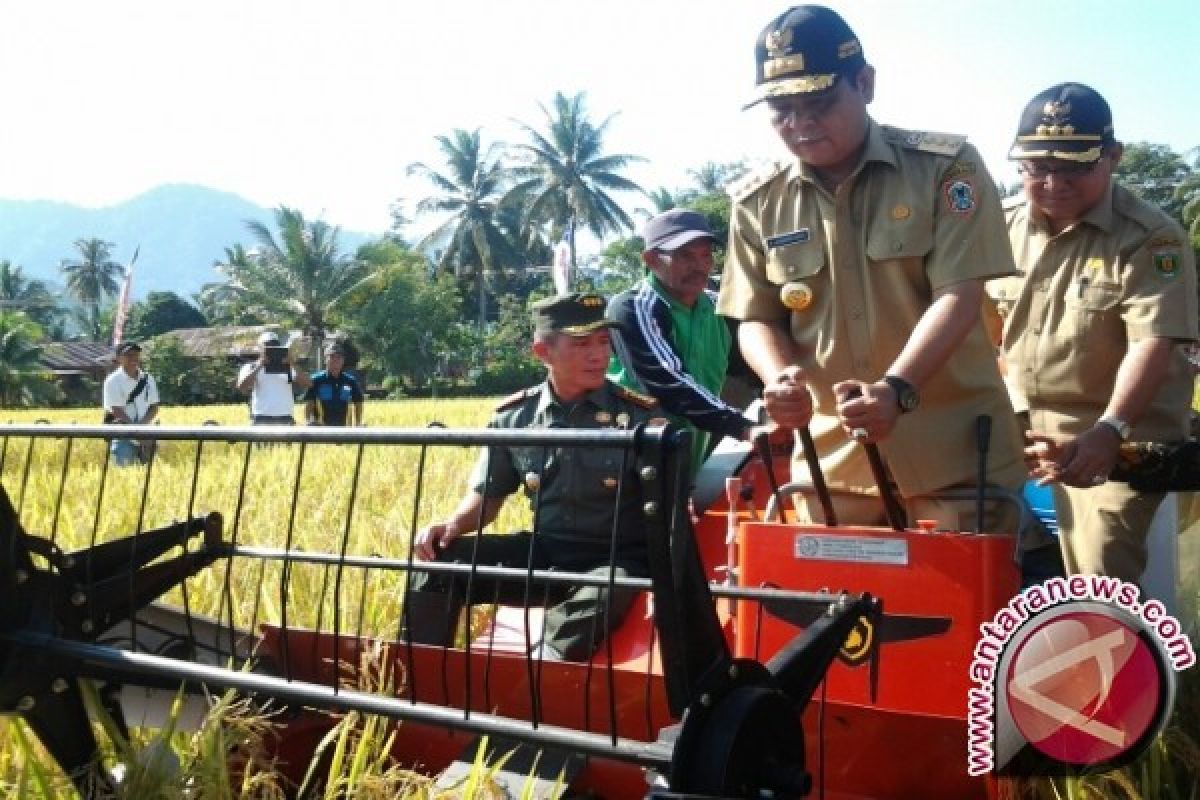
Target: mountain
{"points": [[182, 230]]}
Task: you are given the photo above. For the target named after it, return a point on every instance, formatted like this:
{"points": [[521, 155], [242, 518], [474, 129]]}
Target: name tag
{"points": [[784, 239]]}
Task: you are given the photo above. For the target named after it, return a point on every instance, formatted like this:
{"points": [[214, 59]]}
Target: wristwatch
{"points": [[906, 394], [1119, 426]]}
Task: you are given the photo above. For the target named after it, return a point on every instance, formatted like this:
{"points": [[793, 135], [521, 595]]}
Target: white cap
{"points": [[267, 337]]}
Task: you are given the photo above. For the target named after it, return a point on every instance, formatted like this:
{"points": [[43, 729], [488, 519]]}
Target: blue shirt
{"points": [[334, 394]]}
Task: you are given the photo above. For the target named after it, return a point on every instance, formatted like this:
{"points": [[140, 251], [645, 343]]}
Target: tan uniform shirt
{"points": [[1123, 273], [919, 214]]}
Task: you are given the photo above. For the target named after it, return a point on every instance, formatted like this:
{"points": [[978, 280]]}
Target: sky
{"points": [[322, 105]]}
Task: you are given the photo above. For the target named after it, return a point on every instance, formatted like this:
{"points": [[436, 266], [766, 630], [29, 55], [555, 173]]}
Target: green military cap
{"points": [[575, 314]]}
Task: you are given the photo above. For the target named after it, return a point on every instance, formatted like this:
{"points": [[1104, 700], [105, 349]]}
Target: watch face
{"points": [[908, 399]]}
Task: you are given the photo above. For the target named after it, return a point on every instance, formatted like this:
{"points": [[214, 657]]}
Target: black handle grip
{"points": [[891, 506]]}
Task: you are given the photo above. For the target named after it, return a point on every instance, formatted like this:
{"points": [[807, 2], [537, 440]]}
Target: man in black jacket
{"points": [[669, 341]]}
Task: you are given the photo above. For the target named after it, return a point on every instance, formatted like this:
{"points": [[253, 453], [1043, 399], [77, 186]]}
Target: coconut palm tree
{"points": [[92, 277], [23, 379], [300, 277], [568, 179], [470, 187], [33, 297], [712, 178]]}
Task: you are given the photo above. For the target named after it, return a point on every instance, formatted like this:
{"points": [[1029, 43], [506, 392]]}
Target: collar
{"points": [[547, 400], [1101, 214], [876, 149]]}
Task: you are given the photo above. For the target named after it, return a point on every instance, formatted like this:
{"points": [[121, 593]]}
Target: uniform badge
{"points": [[784, 239], [603, 417], [1166, 263], [532, 481], [901, 211], [623, 420], [778, 41], [610, 483], [960, 196], [795, 295]]}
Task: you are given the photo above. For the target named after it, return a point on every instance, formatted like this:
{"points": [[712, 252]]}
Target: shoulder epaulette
{"points": [[637, 398], [514, 399], [1145, 213], [941, 144], [753, 180]]}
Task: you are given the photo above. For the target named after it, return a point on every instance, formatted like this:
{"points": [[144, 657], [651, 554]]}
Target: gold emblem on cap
{"points": [[1056, 109], [610, 483], [901, 211], [796, 295], [591, 300], [603, 417], [778, 40], [533, 481]]}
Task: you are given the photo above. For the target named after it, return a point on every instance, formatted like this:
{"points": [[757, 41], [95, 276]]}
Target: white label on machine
{"points": [[857, 549]]}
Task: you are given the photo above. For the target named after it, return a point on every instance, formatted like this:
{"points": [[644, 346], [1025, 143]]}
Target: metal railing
{"points": [[295, 530]]}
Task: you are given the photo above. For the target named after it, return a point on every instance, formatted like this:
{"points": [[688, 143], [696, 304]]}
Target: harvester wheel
{"points": [[751, 740]]}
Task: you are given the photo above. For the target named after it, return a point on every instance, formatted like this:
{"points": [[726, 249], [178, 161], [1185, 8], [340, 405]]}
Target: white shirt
{"points": [[117, 387], [272, 395]]}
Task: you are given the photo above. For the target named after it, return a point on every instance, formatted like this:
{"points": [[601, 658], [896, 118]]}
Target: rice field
{"points": [[290, 495], [343, 500]]}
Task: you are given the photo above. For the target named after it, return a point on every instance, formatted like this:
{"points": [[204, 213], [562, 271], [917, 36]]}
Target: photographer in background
{"points": [[271, 382], [334, 394], [130, 397]]}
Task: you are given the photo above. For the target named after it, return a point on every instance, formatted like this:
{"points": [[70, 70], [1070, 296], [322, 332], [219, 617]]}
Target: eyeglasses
{"points": [[1063, 170], [796, 107]]}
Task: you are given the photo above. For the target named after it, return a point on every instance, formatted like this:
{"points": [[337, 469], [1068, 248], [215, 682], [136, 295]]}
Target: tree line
{"points": [[446, 309]]}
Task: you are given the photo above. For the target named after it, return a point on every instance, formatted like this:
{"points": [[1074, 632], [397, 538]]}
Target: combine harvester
{"points": [[763, 659]]}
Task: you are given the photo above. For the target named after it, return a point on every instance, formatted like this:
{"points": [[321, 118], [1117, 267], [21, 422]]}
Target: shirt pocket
{"points": [[804, 284], [1092, 316], [892, 239], [796, 261]]}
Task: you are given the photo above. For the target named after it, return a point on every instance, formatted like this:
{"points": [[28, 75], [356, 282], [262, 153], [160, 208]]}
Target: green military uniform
{"points": [[851, 273], [1123, 273], [573, 491], [581, 497]]}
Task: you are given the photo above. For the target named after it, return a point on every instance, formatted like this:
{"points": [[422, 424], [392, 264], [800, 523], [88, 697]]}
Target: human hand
{"points": [[787, 399], [1083, 461], [433, 538], [867, 411]]}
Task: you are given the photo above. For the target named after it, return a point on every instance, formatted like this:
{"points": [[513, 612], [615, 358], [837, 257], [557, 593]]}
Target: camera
{"points": [[275, 359]]}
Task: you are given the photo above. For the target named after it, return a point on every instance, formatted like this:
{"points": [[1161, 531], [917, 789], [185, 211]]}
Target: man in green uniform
{"points": [[1093, 324], [857, 268], [574, 491]]}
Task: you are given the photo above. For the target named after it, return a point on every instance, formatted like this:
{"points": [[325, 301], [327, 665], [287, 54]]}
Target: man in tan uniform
{"points": [[1092, 325], [859, 265]]}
